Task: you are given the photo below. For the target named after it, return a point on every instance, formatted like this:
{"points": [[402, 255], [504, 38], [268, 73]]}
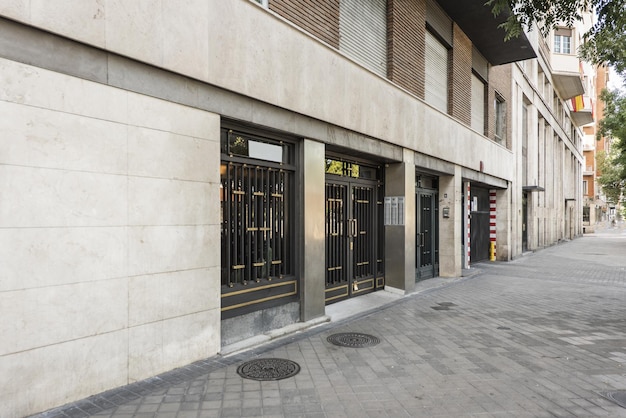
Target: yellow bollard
{"points": [[492, 251]]}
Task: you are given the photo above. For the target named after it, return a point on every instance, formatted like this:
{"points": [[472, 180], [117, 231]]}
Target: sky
{"points": [[615, 81]]}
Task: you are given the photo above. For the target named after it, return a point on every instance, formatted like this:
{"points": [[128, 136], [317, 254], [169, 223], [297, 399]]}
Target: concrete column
{"points": [[400, 239], [312, 304], [450, 229]]}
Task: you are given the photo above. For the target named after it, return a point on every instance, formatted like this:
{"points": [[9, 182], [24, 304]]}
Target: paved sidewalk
{"points": [[541, 336]]}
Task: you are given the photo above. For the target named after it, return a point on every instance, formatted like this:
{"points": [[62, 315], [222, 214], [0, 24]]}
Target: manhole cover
{"points": [[268, 369], [353, 339], [617, 396]]}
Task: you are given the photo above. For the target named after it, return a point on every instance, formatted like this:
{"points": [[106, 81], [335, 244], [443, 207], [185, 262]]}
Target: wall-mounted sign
{"points": [[394, 210]]}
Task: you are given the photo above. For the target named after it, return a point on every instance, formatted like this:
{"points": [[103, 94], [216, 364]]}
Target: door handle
{"points": [[352, 228], [421, 239]]}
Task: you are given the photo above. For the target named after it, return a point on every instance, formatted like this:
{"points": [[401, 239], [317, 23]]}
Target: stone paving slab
{"points": [[541, 336]]}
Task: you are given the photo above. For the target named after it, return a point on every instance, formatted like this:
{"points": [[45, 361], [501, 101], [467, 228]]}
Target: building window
{"points": [[263, 3], [436, 92], [363, 32], [500, 115], [585, 188], [563, 41], [586, 212], [478, 104]]}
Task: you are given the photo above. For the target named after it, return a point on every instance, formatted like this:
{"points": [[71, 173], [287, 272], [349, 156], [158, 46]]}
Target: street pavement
{"points": [[541, 336]]}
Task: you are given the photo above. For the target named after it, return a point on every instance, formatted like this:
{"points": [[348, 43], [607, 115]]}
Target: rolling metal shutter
{"points": [[363, 33], [438, 21], [436, 92], [478, 104]]}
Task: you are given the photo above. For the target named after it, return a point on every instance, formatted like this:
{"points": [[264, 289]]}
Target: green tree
{"points": [[604, 43], [613, 166], [609, 179]]}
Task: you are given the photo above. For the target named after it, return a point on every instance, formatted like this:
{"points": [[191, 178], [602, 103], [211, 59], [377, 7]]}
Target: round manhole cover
{"points": [[268, 369], [617, 396], [353, 339]]}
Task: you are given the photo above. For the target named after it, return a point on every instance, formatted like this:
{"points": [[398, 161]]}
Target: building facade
{"points": [[595, 207], [177, 179]]}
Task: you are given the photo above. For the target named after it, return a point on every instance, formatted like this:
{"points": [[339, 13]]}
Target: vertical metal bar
{"points": [[285, 224], [329, 237], [249, 223], [241, 214], [267, 223], [228, 204]]}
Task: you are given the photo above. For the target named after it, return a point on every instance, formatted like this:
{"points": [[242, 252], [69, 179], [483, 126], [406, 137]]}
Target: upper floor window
{"points": [[363, 32], [478, 104], [500, 116], [263, 3], [436, 92], [563, 41]]}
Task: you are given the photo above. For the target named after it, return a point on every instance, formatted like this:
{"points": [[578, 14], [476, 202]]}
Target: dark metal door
{"points": [[426, 248], [350, 239], [479, 224]]}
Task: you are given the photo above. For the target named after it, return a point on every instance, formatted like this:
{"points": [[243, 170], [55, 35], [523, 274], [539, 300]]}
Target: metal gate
{"points": [[427, 245], [479, 224], [354, 258]]}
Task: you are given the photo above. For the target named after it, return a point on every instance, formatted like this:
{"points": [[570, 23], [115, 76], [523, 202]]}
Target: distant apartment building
{"points": [[552, 102], [595, 206], [181, 177]]}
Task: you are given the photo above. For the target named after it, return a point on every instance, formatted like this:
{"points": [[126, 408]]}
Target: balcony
{"points": [[588, 171], [566, 75], [581, 108]]}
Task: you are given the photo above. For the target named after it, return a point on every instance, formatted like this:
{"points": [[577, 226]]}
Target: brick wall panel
{"points": [[320, 18], [459, 94], [406, 31]]}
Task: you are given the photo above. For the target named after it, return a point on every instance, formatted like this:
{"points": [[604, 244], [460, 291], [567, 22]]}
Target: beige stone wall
{"points": [[109, 232], [269, 59]]}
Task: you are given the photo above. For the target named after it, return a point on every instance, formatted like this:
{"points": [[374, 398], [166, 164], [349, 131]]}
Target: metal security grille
{"points": [[255, 224], [336, 237], [354, 238], [257, 194], [363, 225]]}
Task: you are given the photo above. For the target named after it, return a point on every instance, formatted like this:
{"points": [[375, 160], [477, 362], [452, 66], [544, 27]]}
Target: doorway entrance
{"points": [[354, 257], [479, 224], [427, 228]]}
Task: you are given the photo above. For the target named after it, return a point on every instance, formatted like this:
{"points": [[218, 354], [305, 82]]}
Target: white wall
{"points": [[109, 234]]}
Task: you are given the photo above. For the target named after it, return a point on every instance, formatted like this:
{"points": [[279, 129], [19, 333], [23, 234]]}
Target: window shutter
{"points": [[363, 33], [480, 64], [478, 104], [439, 21], [436, 92]]}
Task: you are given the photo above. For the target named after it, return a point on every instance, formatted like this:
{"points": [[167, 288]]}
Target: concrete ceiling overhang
{"points": [[480, 25]]}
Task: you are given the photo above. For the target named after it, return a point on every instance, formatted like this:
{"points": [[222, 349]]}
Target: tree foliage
{"points": [[604, 43], [613, 166], [609, 178]]}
